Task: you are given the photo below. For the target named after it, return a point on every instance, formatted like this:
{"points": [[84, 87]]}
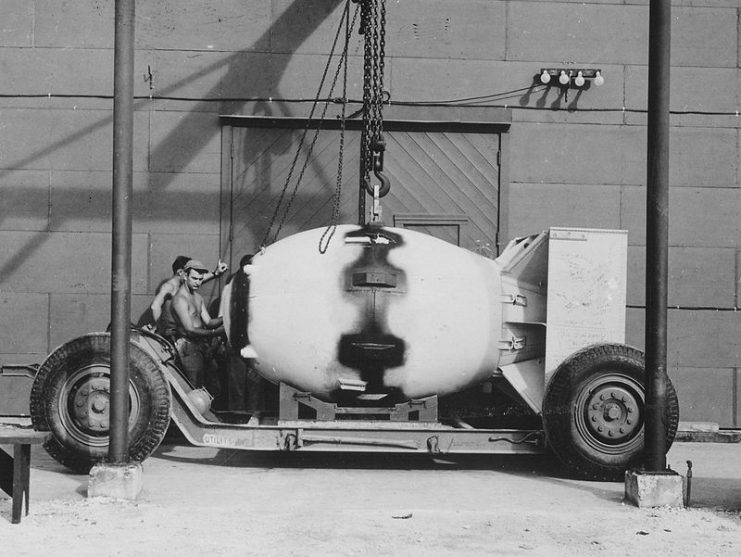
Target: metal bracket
{"points": [[515, 299], [513, 344], [290, 440], [377, 216], [433, 445]]}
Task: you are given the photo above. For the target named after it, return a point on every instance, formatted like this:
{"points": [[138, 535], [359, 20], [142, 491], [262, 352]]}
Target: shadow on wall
{"points": [[182, 144]]}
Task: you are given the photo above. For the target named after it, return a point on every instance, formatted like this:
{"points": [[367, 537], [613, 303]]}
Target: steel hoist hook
{"points": [[378, 148]]}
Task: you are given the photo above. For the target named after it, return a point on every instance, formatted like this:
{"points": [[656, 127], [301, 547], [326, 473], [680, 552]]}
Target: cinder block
{"points": [[698, 277], [611, 34], [702, 157], [696, 339], [18, 23], [71, 316], [577, 154], [215, 75], [535, 207], [705, 37], [185, 142], [654, 489], [688, 208], [55, 21], [689, 89], [705, 394], [83, 139], [81, 201], [116, 481], [210, 24], [23, 322], [709, 339], [45, 70], [635, 327], [25, 139], [64, 262], [304, 27], [25, 200], [447, 29], [184, 203], [298, 75]]}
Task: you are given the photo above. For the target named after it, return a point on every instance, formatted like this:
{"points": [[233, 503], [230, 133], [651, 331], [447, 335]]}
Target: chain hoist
{"points": [[372, 143]]}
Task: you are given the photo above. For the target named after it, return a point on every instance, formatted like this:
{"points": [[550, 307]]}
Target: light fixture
{"points": [[572, 77]]}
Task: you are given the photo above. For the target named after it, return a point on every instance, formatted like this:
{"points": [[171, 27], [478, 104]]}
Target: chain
{"points": [[372, 144], [303, 138], [330, 230], [365, 139]]}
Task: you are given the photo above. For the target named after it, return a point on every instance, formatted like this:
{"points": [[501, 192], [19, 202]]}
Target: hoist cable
{"points": [[303, 139], [330, 230]]}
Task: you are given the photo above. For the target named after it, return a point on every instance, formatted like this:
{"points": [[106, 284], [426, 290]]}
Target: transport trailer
{"points": [[395, 342]]}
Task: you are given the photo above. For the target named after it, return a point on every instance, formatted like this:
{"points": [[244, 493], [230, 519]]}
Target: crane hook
{"points": [[378, 149]]}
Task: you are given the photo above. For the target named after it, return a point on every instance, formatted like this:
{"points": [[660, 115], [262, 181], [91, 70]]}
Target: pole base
{"points": [[122, 481], [654, 489]]}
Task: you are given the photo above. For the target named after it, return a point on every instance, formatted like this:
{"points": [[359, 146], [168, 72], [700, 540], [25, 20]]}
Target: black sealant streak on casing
{"points": [[238, 310], [372, 280]]}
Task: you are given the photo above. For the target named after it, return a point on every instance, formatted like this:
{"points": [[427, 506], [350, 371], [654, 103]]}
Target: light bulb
{"points": [[598, 79], [545, 77], [579, 81], [563, 79]]}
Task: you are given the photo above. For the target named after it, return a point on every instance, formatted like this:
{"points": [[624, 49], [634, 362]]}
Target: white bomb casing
{"points": [[383, 310]]}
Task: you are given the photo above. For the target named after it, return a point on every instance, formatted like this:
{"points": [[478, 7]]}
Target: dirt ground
{"points": [[199, 501]]}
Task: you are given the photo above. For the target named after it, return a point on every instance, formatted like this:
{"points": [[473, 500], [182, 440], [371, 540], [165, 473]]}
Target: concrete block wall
{"points": [[573, 161]]}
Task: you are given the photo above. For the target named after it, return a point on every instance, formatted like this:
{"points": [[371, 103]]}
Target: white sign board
{"points": [[586, 290]]}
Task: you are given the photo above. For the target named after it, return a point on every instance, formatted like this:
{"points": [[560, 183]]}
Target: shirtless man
{"points": [[194, 326], [167, 289]]}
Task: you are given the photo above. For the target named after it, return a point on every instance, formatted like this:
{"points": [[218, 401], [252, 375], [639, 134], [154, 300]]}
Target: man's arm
{"points": [[210, 322], [221, 268], [166, 291], [190, 330]]}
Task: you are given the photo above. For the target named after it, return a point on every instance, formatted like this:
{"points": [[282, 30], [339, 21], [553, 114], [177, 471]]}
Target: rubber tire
{"points": [[586, 456], [70, 444]]}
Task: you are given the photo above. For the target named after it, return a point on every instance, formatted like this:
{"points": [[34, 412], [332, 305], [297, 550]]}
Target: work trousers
{"points": [[197, 363]]}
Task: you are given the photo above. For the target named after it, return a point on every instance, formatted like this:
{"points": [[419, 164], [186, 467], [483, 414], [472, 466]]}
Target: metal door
{"points": [[444, 183]]}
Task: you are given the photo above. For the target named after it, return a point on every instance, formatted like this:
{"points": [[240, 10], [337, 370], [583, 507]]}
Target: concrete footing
{"points": [[122, 481], [654, 489]]}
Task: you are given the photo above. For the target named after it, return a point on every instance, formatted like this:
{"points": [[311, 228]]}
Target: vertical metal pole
{"points": [[123, 139], [657, 231]]}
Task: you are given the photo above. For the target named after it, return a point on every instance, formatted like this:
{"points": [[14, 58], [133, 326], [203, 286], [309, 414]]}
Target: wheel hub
{"points": [[86, 405], [91, 405], [612, 412]]}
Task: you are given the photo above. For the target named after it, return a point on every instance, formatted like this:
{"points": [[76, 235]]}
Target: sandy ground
{"points": [[200, 501]]}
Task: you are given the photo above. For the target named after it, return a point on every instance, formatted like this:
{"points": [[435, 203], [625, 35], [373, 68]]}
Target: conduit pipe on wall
{"points": [[123, 139]]}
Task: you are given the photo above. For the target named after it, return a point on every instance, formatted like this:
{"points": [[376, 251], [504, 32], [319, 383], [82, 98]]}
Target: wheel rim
{"points": [[84, 404], [609, 413]]}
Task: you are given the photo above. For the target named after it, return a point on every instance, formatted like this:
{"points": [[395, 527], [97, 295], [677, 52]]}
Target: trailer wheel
{"points": [[70, 398], [594, 411]]}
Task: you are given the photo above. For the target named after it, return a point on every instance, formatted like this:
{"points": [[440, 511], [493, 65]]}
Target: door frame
{"points": [[397, 117]]}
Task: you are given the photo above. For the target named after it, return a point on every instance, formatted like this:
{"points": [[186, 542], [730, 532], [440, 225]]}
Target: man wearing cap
{"points": [[166, 290], [194, 327]]}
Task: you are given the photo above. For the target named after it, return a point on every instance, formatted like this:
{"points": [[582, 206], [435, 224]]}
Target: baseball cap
{"points": [[196, 265]]}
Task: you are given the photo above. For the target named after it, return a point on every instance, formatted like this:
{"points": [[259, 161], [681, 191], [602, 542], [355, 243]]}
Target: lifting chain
{"points": [[330, 230], [373, 145], [280, 208]]}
